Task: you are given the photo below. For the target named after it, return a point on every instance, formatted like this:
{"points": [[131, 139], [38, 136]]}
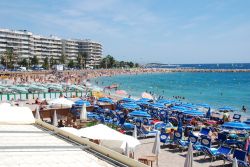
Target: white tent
{"points": [[16, 115], [2, 105], [61, 102], [71, 130], [109, 138]]}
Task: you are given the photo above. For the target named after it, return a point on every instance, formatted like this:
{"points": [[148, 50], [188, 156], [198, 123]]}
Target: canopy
{"points": [[108, 136], [236, 125], [16, 115], [139, 113], [63, 102]]}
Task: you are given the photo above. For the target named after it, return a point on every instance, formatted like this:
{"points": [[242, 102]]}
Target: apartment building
{"points": [[93, 49], [27, 45]]}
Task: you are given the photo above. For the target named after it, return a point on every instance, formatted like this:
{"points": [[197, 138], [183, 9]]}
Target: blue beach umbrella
{"points": [[127, 100], [203, 105], [130, 106], [247, 121], [142, 102], [81, 102], [189, 105], [166, 118], [208, 115], [179, 108], [165, 101], [194, 113], [105, 99], [139, 113], [145, 99], [236, 125], [226, 108], [158, 105], [179, 129]]}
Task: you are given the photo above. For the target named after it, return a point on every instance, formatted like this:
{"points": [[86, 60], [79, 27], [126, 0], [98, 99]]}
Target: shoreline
{"points": [[140, 70]]}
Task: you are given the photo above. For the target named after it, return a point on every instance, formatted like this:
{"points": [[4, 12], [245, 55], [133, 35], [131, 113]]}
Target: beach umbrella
{"points": [[55, 121], [166, 118], [163, 101], [127, 150], [194, 113], [83, 113], [236, 125], [127, 100], [81, 102], [156, 147], [158, 105], [105, 100], [135, 132], [235, 162], [139, 113], [204, 105], [37, 116], [61, 102], [189, 156], [226, 108], [147, 95], [121, 92], [208, 115], [130, 106], [179, 129]]}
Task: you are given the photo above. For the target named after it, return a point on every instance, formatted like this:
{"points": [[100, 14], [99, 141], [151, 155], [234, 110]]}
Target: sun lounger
{"points": [[240, 156], [213, 153]]}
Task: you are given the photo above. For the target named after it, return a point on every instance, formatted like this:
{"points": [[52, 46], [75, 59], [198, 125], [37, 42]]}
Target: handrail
{"points": [[103, 150]]}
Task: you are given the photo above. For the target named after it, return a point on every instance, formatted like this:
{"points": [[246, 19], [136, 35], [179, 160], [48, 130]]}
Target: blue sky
{"points": [[165, 31]]}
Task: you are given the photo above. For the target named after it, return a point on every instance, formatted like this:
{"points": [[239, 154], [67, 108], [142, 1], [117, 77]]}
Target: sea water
{"points": [[216, 89]]}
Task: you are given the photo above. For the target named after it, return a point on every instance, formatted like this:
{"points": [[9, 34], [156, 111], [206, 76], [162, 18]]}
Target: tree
{"points": [[111, 61], [51, 61], [122, 63], [34, 60], [130, 64], [23, 62], [9, 58], [71, 64], [85, 56], [46, 63], [136, 65], [79, 60], [63, 59], [2, 60]]}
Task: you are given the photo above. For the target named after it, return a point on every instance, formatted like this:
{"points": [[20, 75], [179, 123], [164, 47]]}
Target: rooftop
{"points": [[29, 145]]}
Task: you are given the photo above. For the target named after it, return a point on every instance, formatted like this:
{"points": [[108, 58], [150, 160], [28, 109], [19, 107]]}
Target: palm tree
{"points": [[9, 57], [79, 60], [85, 56], [63, 58]]}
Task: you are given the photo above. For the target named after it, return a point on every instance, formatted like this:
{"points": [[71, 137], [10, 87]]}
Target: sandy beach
{"points": [[170, 157]]}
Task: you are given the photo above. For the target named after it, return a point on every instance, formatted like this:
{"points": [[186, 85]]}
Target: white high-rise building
{"points": [[26, 45]]}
